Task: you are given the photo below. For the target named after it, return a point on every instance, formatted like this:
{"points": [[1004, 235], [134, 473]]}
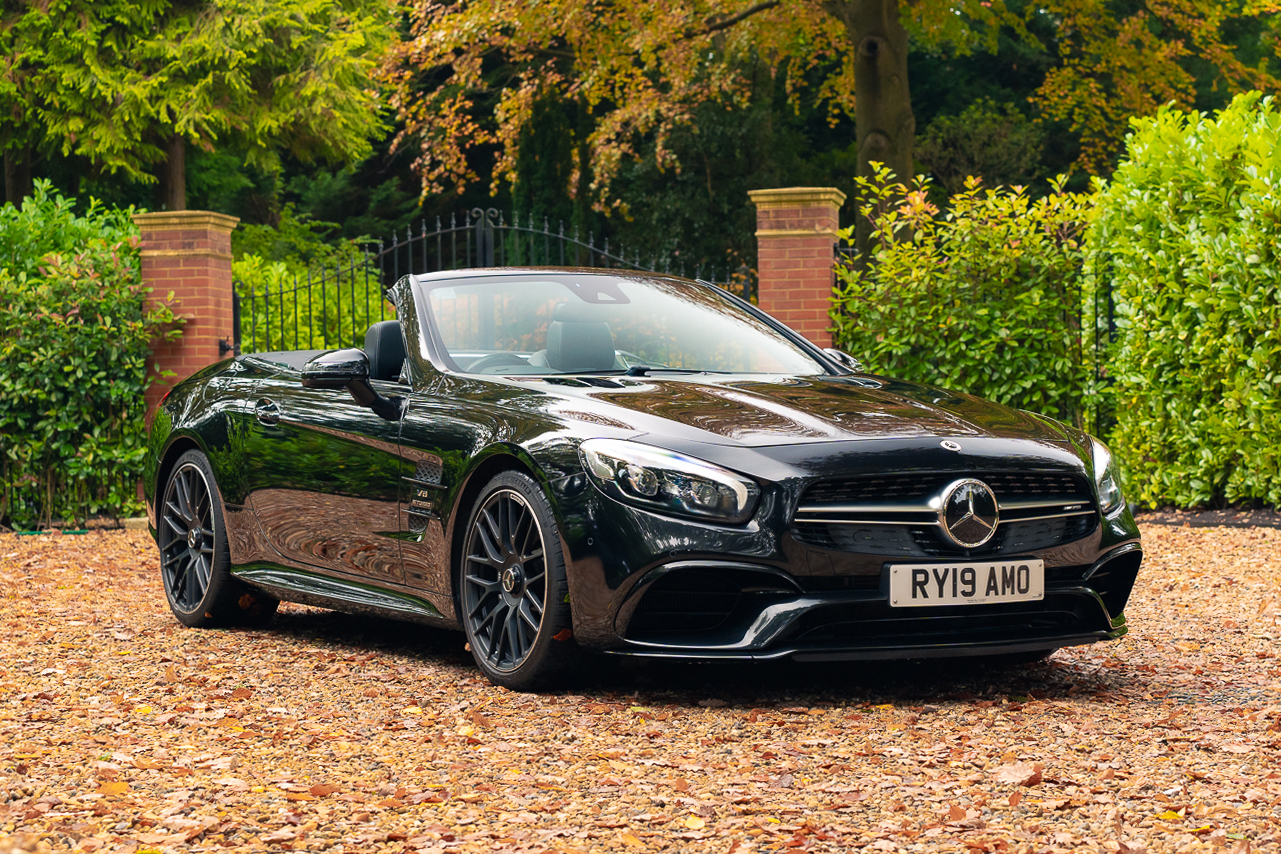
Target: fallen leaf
{"points": [[285, 834], [1020, 774]]}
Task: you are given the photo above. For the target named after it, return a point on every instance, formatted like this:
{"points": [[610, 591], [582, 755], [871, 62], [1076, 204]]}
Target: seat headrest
{"points": [[577, 311], [579, 345], [385, 346]]}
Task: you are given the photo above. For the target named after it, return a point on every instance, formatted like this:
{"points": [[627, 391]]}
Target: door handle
{"points": [[267, 411]]}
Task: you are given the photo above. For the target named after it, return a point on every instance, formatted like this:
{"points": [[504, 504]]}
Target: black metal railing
{"points": [[275, 309], [327, 307]]}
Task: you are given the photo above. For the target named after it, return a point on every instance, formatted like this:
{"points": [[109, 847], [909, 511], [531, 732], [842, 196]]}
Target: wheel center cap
{"points": [[193, 538], [512, 578]]}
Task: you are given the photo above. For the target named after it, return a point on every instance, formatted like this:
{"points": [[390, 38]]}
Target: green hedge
{"points": [[1188, 230], [985, 296], [75, 334]]}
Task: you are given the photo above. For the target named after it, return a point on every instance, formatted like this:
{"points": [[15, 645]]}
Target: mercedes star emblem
{"points": [[968, 513], [950, 445]]}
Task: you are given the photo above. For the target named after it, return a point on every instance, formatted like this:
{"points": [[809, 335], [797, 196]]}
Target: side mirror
{"points": [[845, 360], [349, 369], [336, 369]]}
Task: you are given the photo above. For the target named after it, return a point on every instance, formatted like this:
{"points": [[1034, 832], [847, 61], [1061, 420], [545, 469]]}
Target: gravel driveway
{"points": [[123, 731]]}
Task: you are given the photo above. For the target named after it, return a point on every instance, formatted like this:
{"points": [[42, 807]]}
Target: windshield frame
{"points": [[432, 346]]}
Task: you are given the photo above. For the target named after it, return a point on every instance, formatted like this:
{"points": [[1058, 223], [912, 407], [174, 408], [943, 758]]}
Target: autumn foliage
{"points": [[472, 73]]}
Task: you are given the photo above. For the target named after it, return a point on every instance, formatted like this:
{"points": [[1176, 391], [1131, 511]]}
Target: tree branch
{"points": [[726, 23]]}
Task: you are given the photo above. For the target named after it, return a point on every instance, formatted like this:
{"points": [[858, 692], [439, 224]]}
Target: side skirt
{"points": [[324, 591]]}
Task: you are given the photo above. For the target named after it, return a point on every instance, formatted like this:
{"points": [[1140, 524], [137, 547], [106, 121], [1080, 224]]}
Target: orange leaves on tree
{"points": [[1115, 68]]}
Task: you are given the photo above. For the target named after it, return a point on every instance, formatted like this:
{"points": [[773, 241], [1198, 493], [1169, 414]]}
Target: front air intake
{"points": [[684, 601], [1114, 580]]}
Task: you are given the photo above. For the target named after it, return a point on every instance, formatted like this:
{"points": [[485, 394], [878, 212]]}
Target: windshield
{"points": [[565, 324]]}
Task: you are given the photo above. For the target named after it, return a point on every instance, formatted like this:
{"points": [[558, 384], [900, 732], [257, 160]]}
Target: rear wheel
{"points": [[513, 592], [194, 562]]}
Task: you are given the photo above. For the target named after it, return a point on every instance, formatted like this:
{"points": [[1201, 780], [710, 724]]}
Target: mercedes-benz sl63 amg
{"points": [[561, 462]]}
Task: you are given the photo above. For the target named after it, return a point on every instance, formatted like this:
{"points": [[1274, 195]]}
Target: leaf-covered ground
{"points": [[122, 731]]}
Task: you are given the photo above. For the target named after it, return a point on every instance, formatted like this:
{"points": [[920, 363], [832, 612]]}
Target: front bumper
{"points": [[715, 610]]}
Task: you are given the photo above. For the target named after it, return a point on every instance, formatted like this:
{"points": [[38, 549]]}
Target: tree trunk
{"points": [[883, 122], [17, 174], [173, 176], [582, 210]]}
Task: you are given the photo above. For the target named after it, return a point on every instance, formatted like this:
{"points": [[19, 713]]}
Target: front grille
{"points": [[875, 489], [888, 515]]}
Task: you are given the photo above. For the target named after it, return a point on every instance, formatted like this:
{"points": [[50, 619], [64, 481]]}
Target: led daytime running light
{"points": [[1105, 479]]}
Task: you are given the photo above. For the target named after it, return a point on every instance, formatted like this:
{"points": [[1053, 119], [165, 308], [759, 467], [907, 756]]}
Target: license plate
{"points": [[969, 583]]}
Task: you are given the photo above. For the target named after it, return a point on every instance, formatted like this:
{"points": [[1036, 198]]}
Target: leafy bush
{"points": [[985, 297], [76, 329], [300, 292], [1188, 229]]}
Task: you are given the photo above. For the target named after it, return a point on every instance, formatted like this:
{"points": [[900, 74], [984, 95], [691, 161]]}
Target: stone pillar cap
{"points": [[164, 220], [797, 197]]}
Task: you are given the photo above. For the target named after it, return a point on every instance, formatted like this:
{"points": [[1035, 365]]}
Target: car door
{"points": [[325, 477]]}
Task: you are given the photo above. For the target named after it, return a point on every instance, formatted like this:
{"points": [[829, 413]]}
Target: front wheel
{"points": [[514, 592], [194, 562]]}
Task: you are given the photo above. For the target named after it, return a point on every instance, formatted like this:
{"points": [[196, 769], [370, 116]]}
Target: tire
{"points": [[513, 590], [194, 562]]}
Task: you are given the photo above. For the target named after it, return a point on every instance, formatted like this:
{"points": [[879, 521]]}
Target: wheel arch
{"points": [[178, 445], [491, 462]]}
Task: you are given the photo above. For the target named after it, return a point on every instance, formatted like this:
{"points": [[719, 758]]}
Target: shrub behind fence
{"points": [[987, 296]]}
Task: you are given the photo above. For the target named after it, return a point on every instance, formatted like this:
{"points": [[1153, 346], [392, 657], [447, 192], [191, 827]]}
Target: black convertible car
{"points": [[559, 461]]}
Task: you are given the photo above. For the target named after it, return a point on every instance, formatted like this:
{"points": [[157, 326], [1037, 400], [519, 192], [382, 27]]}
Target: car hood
{"points": [[764, 411]]}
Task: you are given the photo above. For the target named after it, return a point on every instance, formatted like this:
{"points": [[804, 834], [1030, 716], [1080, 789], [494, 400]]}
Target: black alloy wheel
{"points": [[187, 537], [514, 588], [194, 562]]}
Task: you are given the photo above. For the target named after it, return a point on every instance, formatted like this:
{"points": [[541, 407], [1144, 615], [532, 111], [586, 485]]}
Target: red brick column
{"points": [[796, 234], [188, 253]]}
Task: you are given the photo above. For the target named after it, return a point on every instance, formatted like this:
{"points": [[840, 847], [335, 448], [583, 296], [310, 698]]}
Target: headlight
{"points": [[668, 482], [1105, 478]]}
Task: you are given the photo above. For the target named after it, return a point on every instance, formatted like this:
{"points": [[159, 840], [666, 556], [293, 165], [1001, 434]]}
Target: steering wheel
{"points": [[495, 360]]}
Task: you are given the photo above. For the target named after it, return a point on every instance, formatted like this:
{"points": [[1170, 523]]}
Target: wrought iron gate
{"points": [[332, 306]]}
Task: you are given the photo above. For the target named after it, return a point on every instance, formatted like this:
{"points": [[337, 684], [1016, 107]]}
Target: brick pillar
{"points": [[796, 234], [189, 253]]}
